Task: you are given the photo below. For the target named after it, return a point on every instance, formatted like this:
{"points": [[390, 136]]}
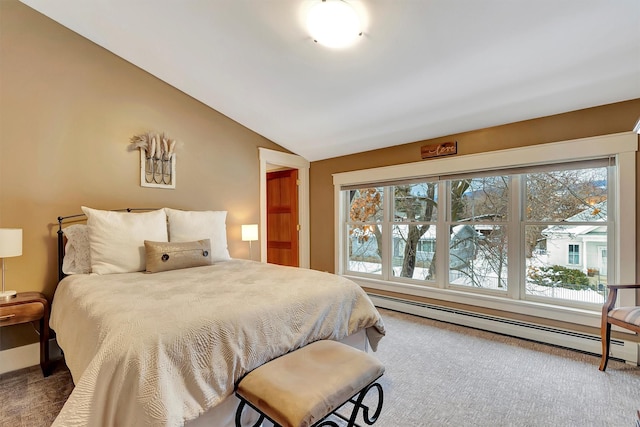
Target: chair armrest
{"points": [[613, 293], [631, 286]]}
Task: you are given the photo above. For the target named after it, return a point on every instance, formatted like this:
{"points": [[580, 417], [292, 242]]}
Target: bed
{"points": [[167, 347]]}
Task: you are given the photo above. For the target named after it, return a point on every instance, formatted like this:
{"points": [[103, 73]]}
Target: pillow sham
{"points": [[117, 238], [77, 251], [189, 226], [164, 256]]}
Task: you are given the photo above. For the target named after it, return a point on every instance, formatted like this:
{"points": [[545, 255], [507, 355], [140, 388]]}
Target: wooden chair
{"points": [[625, 317]]}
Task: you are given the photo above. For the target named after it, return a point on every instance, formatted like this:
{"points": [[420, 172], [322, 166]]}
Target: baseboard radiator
{"points": [[620, 349]]}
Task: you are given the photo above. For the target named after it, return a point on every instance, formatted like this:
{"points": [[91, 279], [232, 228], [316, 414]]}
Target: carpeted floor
{"points": [[27, 399], [438, 374]]}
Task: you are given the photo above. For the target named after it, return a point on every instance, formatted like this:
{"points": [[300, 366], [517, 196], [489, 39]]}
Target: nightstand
{"points": [[29, 307]]}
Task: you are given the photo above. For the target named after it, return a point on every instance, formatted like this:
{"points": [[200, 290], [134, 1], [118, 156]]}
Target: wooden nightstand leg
{"points": [[44, 342]]}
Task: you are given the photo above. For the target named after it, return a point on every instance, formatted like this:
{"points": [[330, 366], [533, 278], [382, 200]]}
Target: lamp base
{"points": [[7, 295]]}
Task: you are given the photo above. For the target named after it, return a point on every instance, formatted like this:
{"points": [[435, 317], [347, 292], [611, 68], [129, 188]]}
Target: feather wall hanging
{"points": [[157, 159]]}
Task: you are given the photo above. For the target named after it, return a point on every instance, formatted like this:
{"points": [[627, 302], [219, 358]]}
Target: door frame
{"points": [[269, 160]]}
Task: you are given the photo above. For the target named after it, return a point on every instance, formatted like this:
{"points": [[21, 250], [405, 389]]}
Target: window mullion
{"points": [[387, 236], [443, 235], [343, 218], [516, 239], [612, 231]]}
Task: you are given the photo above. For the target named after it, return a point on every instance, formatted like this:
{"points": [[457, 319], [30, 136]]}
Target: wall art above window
{"points": [[157, 159]]}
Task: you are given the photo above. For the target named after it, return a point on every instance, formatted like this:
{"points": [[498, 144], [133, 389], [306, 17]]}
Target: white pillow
{"points": [[189, 226], [77, 251], [117, 238]]}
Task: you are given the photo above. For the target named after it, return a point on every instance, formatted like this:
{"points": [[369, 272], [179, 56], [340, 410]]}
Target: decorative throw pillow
{"points": [[117, 238], [77, 251], [163, 256], [189, 226]]}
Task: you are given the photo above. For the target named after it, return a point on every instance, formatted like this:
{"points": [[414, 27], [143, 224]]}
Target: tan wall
{"points": [[612, 118], [67, 111]]}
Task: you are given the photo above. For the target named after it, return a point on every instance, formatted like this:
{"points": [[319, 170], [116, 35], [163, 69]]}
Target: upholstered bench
{"points": [[302, 388]]}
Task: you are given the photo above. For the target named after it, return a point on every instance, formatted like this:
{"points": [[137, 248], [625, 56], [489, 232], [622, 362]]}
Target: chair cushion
{"points": [[626, 314], [302, 387]]}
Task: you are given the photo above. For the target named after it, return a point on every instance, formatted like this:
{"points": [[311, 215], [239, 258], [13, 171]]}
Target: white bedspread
{"points": [[161, 349]]}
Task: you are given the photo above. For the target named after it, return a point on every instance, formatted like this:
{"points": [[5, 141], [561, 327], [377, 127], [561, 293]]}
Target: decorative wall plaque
{"points": [[157, 160], [437, 150]]}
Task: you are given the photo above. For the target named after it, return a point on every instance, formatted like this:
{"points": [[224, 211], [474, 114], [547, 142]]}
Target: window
{"points": [[364, 235], [522, 232], [414, 229], [574, 254], [479, 211], [562, 205]]}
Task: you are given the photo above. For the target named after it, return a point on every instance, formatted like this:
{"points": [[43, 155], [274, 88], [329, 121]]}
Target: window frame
{"points": [[621, 252]]}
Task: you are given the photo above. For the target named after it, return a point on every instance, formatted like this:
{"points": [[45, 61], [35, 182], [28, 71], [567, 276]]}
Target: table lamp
{"points": [[249, 234], [10, 245]]}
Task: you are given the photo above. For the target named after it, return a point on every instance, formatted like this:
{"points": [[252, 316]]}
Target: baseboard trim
{"points": [[19, 358], [620, 349], [26, 356]]}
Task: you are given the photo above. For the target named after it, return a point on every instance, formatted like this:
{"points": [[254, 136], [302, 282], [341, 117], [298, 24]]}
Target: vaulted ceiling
{"points": [[421, 69]]}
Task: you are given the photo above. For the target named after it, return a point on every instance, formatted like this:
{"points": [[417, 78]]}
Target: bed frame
{"points": [[81, 218]]}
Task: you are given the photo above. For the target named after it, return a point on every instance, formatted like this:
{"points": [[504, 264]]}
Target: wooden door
{"points": [[282, 217]]}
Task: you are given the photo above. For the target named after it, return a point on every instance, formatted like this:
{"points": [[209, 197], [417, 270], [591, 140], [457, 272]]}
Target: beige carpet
{"points": [[27, 399], [437, 375], [440, 374]]}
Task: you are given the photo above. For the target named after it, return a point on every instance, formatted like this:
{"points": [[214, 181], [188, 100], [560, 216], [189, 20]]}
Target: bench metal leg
{"points": [[357, 402], [239, 411]]}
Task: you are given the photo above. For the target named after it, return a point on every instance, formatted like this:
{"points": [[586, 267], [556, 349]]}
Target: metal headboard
{"points": [[79, 218]]}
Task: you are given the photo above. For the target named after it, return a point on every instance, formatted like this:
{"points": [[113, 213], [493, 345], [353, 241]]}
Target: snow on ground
{"points": [[457, 278]]}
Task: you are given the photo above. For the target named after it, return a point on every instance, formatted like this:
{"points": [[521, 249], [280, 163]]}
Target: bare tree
{"points": [[365, 210], [416, 206]]}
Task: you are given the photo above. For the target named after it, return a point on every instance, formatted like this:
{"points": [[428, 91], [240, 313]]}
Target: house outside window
{"points": [[522, 232]]}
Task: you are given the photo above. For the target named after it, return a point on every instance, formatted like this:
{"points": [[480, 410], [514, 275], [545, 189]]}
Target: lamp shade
{"points": [[10, 242], [249, 232]]}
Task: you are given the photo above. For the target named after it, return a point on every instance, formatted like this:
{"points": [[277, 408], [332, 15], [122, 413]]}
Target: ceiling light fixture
{"points": [[333, 23]]}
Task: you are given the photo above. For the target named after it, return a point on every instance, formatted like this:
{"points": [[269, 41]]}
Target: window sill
{"points": [[590, 318]]}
